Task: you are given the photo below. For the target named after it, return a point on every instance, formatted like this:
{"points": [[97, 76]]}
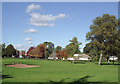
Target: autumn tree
{"points": [[28, 52], [63, 53], [41, 50], [34, 53]]}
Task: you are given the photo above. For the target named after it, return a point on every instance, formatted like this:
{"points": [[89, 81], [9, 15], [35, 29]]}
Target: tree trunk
{"points": [[108, 61], [100, 58], [113, 59]]}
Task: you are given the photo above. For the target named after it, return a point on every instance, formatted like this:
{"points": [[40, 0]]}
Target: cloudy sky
{"points": [[28, 24]]}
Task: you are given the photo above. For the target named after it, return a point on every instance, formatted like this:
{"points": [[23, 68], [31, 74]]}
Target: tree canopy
{"points": [[73, 47], [10, 50], [103, 35]]}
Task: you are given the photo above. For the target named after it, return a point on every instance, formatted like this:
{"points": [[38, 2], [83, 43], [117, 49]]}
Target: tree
{"points": [[49, 48], [91, 50], [28, 52], [102, 34], [17, 53], [41, 50], [10, 50], [73, 47], [3, 50], [63, 53], [57, 51], [34, 53], [58, 48]]}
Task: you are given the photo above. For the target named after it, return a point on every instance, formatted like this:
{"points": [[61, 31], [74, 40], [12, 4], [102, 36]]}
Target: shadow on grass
{"points": [[5, 76], [108, 64], [79, 62], [77, 81]]}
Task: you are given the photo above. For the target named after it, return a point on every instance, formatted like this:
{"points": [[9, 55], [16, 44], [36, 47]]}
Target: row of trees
{"points": [[104, 37], [47, 48], [39, 51], [43, 50]]}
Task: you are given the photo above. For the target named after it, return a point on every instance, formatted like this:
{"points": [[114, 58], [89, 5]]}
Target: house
{"points": [[115, 58], [70, 58], [85, 57]]}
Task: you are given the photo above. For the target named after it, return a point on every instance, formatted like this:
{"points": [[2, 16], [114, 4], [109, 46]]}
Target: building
{"points": [[115, 58], [85, 57], [82, 57]]}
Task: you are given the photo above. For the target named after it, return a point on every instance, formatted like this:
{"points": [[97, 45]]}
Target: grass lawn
{"points": [[58, 71]]}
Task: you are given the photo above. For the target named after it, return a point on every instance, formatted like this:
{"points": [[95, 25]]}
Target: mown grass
{"points": [[58, 71]]}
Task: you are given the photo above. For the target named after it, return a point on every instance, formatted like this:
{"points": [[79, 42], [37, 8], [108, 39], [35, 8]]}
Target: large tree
{"points": [[73, 47], [49, 48], [10, 50], [103, 33]]}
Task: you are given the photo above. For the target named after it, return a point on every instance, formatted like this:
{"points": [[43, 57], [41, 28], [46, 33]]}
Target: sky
{"points": [[26, 24]]}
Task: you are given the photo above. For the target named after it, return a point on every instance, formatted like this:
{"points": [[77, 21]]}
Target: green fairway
{"points": [[57, 71]]}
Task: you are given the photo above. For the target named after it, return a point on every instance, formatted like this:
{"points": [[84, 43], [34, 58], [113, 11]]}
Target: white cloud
{"points": [[32, 7], [44, 20], [31, 30], [44, 24], [28, 39]]}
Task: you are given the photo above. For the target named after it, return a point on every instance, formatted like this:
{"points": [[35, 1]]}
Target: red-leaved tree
{"points": [[63, 54], [31, 48]]}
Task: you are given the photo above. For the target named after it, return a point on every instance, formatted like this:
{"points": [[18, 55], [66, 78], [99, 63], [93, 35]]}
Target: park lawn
{"points": [[58, 71]]}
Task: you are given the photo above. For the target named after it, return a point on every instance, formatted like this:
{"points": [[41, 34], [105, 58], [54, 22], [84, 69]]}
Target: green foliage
{"points": [[47, 54], [73, 47], [49, 46], [58, 48], [3, 50], [91, 50], [104, 36], [10, 50]]}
